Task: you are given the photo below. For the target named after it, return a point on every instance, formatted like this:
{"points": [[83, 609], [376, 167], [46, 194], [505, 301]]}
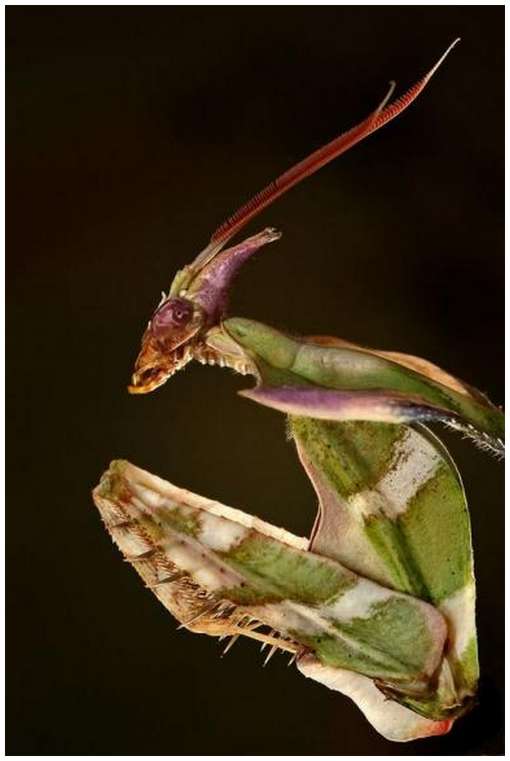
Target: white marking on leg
{"points": [[220, 534], [357, 602], [415, 461]]}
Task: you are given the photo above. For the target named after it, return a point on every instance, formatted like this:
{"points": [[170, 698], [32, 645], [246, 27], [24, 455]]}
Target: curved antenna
{"points": [[378, 118]]}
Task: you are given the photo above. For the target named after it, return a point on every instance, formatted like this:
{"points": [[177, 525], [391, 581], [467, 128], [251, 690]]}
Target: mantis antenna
{"points": [[378, 118]]}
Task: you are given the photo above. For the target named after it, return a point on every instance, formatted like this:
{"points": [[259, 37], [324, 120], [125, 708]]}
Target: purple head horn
{"points": [[210, 287]]}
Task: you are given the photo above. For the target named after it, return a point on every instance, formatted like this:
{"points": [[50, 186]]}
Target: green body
{"points": [[379, 603]]}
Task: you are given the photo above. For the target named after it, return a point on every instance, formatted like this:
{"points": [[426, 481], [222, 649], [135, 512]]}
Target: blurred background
{"points": [[132, 133]]}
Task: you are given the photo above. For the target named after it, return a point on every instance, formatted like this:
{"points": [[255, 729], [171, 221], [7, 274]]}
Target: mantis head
{"points": [[166, 343], [179, 329]]}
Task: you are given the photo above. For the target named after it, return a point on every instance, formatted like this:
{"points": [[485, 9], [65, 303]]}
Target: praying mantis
{"points": [[379, 602]]}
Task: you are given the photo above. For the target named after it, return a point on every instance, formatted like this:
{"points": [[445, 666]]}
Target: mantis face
{"points": [[166, 343]]}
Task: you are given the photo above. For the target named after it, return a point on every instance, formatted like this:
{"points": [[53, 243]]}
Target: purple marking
{"points": [[330, 404], [210, 289]]}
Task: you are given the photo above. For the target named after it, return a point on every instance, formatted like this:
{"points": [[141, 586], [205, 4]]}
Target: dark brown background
{"points": [[132, 132]]}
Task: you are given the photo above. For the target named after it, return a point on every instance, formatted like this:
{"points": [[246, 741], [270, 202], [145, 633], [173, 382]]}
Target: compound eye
{"points": [[175, 313]]}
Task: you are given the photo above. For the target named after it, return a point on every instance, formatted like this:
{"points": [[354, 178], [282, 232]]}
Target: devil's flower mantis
{"points": [[363, 606]]}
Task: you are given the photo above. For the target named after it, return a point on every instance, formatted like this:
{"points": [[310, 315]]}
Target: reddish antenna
{"points": [[378, 118]]}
